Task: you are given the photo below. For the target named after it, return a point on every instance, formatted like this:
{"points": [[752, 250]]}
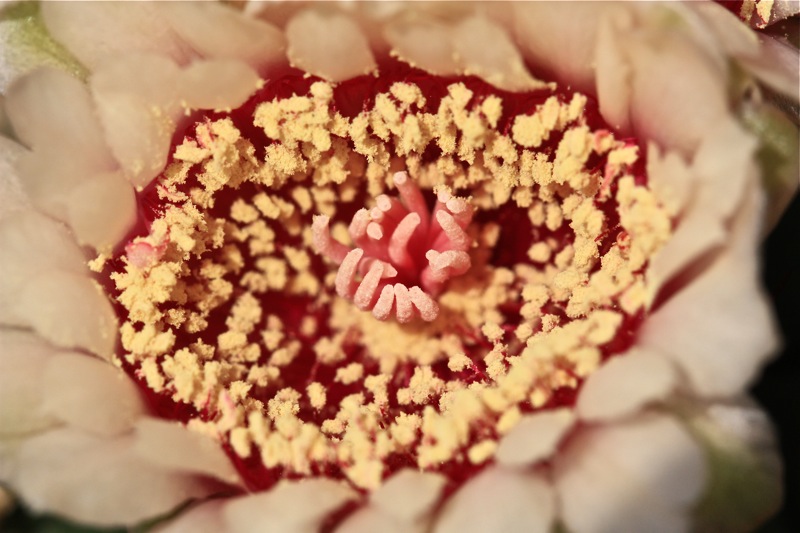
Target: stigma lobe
{"points": [[402, 255]]}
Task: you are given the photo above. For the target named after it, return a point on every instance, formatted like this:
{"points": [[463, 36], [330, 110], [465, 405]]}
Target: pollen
{"points": [[339, 280]]}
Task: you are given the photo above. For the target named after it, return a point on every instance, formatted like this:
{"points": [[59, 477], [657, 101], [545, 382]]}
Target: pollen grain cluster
{"points": [[235, 323]]}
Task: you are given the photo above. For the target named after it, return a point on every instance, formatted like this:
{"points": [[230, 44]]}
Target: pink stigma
{"points": [[403, 255]]}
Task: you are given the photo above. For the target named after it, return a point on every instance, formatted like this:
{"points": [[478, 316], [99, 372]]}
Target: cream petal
{"points": [[37, 245], [401, 505], [99, 32], [723, 163], [692, 28], [718, 336], [138, 101], [423, 43], [499, 500], [676, 111], [23, 358], [485, 50], [68, 310], [329, 45], [736, 39], [699, 233], [721, 168], [765, 57], [613, 71], [370, 520], [776, 66], [203, 518], [55, 468], [289, 507], [218, 84], [643, 474], [409, 494], [90, 394], [560, 37], [10, 447], [42, 107], [48, 103], [624, 385], [12, 197], [102, 210], [670, 178], [217, 31], [535, 437], [174, 447]]}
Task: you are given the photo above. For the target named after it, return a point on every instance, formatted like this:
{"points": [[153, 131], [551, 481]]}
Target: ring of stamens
{"points": [[236, 324], [400, 241]]}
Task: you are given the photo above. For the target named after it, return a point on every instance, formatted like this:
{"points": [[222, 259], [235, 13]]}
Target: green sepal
{"points": [[744, 482], [28, 45], [773, 119]]}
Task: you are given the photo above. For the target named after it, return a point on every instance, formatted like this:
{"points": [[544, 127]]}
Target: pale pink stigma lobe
{"points": [[403, 254]]}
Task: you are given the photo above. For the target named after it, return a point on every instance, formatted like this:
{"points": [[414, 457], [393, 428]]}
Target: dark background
{"points": [[779, 389]]}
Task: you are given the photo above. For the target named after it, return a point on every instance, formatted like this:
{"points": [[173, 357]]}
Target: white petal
{"points": [[90, 394], [289, 507], [328, 45], [96, 481], [776, 65], [624, 385], [216, 31], [53, 114], [499, 500], [218, 84], [23, 358], [174, 447], [138, 100], [676, 110], [724, 162], [485, 50], [203, 518], [423, 43], [402, 504], [12, 197], [560, 38], [641, 475], [613, 71], [370, 520], [737, 39], [718, 328], [69, 310], [409, 495], [48, 103], [670, 178], [699, 233], [102, 210], [32, 244], [99, 32], [10, 447], [768, 58], [535, 437]]}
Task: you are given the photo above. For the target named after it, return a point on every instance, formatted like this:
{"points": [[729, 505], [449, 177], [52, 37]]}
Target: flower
{"points": [[419, 283]]}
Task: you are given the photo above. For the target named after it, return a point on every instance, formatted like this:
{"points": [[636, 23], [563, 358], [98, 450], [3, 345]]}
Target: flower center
{"points": [[345, 281], [399, 241]]}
